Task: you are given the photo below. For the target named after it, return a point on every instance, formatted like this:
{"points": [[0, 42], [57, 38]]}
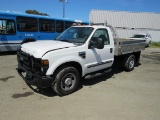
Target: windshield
{"points": [[75, 34]]}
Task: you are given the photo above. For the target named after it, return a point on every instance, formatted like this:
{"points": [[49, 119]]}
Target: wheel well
{"points": [[119, 59], [73, 64]]}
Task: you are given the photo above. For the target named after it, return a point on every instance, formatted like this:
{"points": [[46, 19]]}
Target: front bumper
{"points": [[34, 78]]}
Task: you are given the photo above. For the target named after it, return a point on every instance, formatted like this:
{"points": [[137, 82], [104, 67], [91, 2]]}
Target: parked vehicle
{"points": [[79, 51], [143, 36], [18, 28]]}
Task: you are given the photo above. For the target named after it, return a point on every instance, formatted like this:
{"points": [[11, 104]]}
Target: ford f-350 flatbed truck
{"points": [[77, 52]]}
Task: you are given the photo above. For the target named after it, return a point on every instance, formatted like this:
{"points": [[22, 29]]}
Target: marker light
{"points": [[45, 62]]}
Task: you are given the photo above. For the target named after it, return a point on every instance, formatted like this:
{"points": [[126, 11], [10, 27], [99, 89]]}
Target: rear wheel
{"points": [[129, 62], [66, 81]]}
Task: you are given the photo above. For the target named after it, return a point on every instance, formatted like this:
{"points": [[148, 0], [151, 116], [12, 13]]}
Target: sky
{"points": [[79, 9]]}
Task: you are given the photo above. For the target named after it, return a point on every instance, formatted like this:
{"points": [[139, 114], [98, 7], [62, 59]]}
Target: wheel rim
{"points": [[68, 81], [131, 63]]}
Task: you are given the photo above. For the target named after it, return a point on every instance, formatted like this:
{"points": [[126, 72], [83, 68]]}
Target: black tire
{"points": [[66, 81], [129, 62]]}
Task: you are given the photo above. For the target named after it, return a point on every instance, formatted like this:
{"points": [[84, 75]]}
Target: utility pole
{"points": [[64, 1]]}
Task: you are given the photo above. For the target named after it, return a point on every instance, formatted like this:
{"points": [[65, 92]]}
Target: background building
{"points": [[129, 23]]}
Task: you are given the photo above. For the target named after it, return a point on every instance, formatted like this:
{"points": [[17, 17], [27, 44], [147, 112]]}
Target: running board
{"points": [[99, 73]]}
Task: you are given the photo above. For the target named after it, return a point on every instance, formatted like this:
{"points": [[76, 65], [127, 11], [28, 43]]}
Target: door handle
{"points": [[111, 50]]}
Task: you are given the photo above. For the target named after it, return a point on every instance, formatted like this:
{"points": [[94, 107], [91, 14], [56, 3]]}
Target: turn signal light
{"points": [[45, 62]]}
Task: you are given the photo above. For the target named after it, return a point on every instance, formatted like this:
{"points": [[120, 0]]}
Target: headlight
{"points": [[44, 66]]}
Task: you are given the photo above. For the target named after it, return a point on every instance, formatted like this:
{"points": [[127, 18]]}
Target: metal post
{"points": [[64, 1]]}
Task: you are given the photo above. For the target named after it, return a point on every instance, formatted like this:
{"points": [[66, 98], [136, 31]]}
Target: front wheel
{"points": [[66, 81], [129, 62]]}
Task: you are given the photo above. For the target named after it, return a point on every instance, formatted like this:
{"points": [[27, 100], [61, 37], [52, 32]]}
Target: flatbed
{"points": [[125, 46]]}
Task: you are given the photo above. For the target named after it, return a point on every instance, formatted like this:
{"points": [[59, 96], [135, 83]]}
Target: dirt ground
{"points": [[118, 95]]}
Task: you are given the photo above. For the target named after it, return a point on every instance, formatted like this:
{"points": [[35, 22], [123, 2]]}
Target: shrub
{"points": [[155, 44]]}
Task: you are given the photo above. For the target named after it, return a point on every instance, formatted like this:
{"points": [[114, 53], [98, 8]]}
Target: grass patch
{"points": [[155, 44]]}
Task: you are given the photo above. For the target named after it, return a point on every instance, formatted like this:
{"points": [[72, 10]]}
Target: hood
{"points": [[38, 49]]}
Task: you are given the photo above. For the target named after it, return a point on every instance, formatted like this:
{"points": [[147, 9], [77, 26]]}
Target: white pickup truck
{"points": [[79, 51]]}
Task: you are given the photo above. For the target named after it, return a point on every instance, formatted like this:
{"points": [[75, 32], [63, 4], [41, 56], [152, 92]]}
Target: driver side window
{"points": [[103, 34]]}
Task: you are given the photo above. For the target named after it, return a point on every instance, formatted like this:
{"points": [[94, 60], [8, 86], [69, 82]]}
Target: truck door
{"points": [[97, 59]]}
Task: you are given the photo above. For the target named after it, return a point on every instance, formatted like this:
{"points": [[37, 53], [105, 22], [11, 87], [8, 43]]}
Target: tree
{"points": [[36, 12]]}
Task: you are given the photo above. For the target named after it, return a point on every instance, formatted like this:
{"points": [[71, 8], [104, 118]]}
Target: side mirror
{"points": [[98, 43]]}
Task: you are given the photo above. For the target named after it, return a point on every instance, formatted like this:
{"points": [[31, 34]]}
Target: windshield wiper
{"points": [[65, 40]]}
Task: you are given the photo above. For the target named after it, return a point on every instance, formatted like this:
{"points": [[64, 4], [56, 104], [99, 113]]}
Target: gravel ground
{"points": [[118, 95]]}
